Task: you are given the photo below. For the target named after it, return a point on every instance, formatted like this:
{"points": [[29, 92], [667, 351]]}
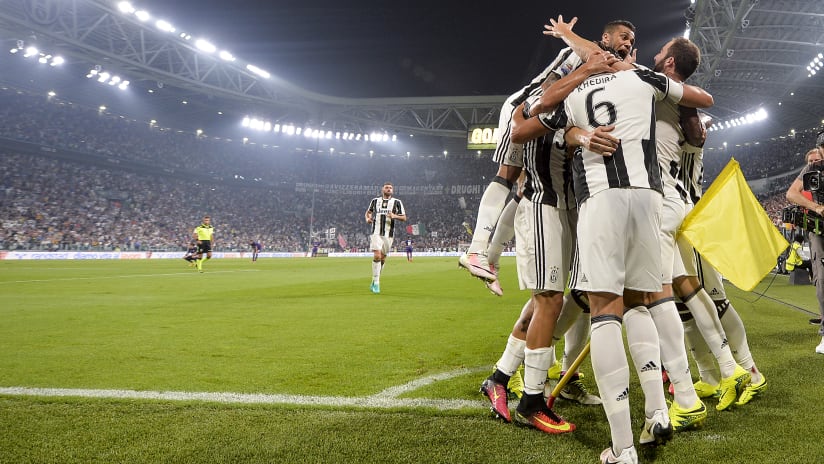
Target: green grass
{"points": [[311, 327]]}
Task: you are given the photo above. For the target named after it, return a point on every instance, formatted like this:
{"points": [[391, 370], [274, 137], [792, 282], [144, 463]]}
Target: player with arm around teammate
{"points": [[620, 198]]}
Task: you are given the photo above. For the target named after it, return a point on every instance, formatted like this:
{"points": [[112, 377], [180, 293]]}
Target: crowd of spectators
{"points": [[94, 181]]}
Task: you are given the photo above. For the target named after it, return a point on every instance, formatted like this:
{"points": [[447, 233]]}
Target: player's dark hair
{"points": [[612, 25], [819, 139], [686, 54], [387, 183]]}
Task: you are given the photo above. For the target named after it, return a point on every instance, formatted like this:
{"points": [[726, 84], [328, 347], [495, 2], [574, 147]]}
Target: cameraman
{"points": [[798, 196]]}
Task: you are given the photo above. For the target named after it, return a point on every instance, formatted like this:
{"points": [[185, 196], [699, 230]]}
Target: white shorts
{"points": [[381, 243], [507, 153], [618, 242], [544, 241], [672, 215]]}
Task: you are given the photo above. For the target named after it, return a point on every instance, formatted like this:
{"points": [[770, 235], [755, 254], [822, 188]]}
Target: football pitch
{"points": [[294, 360]]}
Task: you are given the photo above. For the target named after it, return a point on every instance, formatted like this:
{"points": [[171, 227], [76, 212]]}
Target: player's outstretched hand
{"points": [[558, 28]]}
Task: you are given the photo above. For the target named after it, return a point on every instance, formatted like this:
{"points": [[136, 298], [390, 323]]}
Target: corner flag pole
{"points": [[568, 375]]}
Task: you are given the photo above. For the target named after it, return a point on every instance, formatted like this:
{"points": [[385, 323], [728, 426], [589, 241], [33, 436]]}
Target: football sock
{"points": [[609, 364], [673, 354], [706, 319], [644, 347], [536, 365], [504, 232], [512, 357], [701, 354], [376, 271], [492, 202]]}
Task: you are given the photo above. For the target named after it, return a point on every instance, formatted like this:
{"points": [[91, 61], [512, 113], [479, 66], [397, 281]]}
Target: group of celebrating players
{"points": [[611, 158]]}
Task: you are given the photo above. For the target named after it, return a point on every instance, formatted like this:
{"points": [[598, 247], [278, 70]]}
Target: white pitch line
{"points": [[129, 276], [385, 399]]}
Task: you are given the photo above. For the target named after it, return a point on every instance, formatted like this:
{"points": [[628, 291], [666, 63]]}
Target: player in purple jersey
{"points": [[256, 247], [409, 249]]}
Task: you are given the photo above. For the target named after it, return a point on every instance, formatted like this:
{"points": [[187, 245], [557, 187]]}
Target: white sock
{"points": [[737, 336], [609, 364], [575, 339], [492, 202], [376, 271], [536, 365], [504, 232], [512, 357], [673, 353], [706, 319], [701, 354], [643, 344]]}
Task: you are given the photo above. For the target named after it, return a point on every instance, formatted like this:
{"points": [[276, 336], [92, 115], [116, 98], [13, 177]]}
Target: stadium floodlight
{"points": [[164, 26], [276, 128], [205, 46], [125, 7], [101, 108], [51, 93], [43, 60], [123, 85], [31, 51], [185, 36], [245, 122], [260, 72], [143, 15], [57, 61], [226, 56], [328, 135], [103, 77]]}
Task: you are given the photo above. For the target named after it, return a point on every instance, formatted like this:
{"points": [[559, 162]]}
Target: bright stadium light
{"points": [[143, 15], [254, 69], [125, 7], [164, 26], [226, 56], [749, 118], [31, 51], [205, 46], [57, 61]]}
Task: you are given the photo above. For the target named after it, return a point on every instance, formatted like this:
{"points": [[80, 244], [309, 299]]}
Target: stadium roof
{"points": [[429, 67]]}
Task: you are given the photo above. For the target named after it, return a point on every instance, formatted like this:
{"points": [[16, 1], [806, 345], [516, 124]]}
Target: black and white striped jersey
{"points": [[625, 99], [549, 172], [380, 208], [669, 137], [691, 171]]}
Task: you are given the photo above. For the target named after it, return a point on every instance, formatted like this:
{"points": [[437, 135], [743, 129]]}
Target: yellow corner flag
{"points": [[731, 230]]}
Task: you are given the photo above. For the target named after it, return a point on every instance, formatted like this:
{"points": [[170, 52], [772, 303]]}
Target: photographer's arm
{"points": [[795, 197]]}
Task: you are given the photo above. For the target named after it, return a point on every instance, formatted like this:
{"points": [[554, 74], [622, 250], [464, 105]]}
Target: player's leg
{"points": [[817, 260], [504, 233], [574, 325], [376, 245], [601, 273], [495, 387], [687, 409], [734, 377], [510, 159], [543, 234], [733, 326], [643, 275]]}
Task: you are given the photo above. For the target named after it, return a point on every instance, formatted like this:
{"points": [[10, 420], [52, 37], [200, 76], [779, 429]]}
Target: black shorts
{"points": [[205, 246]]}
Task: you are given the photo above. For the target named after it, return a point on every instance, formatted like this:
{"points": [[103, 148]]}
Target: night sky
{"points": [[402, 49]]}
